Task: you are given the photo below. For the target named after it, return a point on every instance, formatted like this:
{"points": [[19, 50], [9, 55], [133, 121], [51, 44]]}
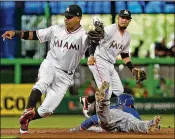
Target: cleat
{"points": [[23, 131], [101, 94], [25, 119], [84, 102], [154, 125]]}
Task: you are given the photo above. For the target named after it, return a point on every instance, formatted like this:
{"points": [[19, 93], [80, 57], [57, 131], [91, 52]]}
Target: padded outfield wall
{"points": [[14, 94]]}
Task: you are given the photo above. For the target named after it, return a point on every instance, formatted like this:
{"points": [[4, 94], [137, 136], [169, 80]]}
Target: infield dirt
{"points": [[164, 133]]}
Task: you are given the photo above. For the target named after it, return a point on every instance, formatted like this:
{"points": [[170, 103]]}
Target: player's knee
{"points": [[118, 92], [42, 86], [122, 89], [44, 112]]}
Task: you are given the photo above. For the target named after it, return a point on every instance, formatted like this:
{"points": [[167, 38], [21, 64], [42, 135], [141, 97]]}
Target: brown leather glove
{"points": [[139, 74], [97, 34]]}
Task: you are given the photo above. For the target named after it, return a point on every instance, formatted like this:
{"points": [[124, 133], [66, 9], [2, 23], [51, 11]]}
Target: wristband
{"points": [[18, 33], [129, 65]]}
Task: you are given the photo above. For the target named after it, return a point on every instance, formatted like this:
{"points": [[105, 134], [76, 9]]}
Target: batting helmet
{"points": [[126, 99]]}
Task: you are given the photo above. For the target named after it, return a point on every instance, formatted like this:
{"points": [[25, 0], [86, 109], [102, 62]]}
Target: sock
{"points": [[91, 99], [113, 95], [37, 116], [34, 97]]}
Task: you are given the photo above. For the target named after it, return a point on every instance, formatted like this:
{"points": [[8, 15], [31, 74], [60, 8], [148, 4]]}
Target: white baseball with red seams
{"points": [[66, 51], [105, 54]]}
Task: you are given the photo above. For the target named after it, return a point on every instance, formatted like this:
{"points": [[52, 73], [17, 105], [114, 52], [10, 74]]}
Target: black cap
{"points": [[125, 13], [73, 10]]}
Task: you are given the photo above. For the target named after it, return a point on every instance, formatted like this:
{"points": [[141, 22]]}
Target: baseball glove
{"points": [[97, 34], [139, 74]]}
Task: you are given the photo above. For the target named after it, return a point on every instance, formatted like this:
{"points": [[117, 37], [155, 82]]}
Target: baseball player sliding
{"points": [[68, 44], [120, 118], [115, 42]]}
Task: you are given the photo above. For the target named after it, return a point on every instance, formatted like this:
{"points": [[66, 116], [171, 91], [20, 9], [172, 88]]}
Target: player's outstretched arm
{"points": [[93, 120], [127, 60], [88, 123], [26, 35]]}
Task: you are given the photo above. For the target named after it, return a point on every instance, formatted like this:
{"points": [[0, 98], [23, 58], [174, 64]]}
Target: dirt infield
{"points": [[64, 133]]}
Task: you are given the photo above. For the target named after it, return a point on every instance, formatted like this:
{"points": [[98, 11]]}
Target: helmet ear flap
{"points": [[129, 102], [125, 99]]}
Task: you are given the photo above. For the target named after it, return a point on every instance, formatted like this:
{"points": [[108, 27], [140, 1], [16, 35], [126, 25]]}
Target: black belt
{"points": [[68, 72]]}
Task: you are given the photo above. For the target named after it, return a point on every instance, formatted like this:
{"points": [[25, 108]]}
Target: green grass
{"points": [[68, 121], [54, 121], [9, 137]]}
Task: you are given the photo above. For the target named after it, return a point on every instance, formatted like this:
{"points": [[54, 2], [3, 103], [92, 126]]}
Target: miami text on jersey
{"points": [[59, 43], [116, 45]]}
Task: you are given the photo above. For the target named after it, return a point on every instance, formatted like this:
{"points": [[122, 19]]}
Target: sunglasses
{"points": [[69, 17]]}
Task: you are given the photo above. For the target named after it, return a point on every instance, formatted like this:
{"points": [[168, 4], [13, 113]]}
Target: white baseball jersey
{"points": [[66, 49], [113, 43], [105, 54]]}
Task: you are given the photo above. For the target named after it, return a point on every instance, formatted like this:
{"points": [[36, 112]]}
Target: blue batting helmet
{"points": [[126, 99]]}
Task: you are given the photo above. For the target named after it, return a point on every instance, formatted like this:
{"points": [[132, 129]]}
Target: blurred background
{"points": [[152, 48]]}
